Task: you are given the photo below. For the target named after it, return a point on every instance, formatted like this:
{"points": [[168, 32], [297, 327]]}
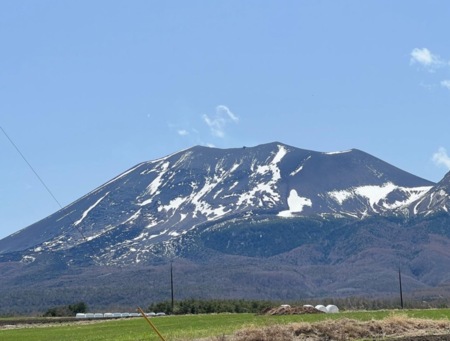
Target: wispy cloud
{"points": [[441, 158], [446, 83], [182, 132], [425, 58], [433, 63], [221, 118]]}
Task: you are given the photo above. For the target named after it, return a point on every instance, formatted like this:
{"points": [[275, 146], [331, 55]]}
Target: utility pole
{"points": [[171, 283], [401, 290]]}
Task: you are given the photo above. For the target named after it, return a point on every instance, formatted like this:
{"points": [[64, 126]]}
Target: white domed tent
{"points": [[332, 309], [321, 308]]}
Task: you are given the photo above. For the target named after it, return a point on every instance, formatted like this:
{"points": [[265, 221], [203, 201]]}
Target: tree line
{"points": [[210, 306], [68, 310], [199, 306]]}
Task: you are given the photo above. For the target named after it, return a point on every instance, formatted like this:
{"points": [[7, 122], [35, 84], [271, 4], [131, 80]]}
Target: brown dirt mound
{"points": [[291, 311]]}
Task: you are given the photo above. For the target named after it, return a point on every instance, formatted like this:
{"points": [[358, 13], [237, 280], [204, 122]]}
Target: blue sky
{"points": [[90, 88]]}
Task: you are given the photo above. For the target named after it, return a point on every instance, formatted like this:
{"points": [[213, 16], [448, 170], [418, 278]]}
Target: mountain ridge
{"points": [[211, 180]]}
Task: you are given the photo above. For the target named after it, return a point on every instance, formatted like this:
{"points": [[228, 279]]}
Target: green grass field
{"points": [[187, 327]]}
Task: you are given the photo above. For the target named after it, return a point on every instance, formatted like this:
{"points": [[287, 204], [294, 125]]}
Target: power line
{"points": [[31, 167], [43, 183]]}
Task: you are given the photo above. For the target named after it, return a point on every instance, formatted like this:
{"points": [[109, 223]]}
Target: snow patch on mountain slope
{"points": [[434, 199], [183, 158], [133, 217], [151, 223], [158, 235], [186, 153], [27, 259], [102, 232], [233, 185], [300, 167], [85, 213], [413, 194], [296, 204], [341, 196], [282, 151], [338, 152], [234, 167], [375, 172], [157, 182], [153, 188], [376, 194], [264, 192], [197, 198], [173, 204]]}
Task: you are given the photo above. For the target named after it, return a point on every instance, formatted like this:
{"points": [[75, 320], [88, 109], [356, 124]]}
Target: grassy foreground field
{"points": [[191, 327]]}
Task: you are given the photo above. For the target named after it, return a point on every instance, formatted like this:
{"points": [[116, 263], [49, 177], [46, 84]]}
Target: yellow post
{"points": [[151, 324]]}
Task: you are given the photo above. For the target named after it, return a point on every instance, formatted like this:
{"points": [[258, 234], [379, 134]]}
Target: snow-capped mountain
{"points": [[437, 199], [161, 200], [266, 222]]}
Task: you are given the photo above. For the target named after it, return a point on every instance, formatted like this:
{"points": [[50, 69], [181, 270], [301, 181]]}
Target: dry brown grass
{"points": [[288, 310], [343, 329]]}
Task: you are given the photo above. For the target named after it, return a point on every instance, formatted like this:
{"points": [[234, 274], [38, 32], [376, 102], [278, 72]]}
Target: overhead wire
{"points": [[42, 182], [31, 167]]}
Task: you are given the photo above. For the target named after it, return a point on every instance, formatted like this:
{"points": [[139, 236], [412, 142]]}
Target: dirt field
{"points": [[392, 328]]}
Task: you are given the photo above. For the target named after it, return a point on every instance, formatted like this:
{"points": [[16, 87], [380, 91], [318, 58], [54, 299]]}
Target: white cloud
{"points": [[222, 117], [441, 158], [182, 132], [224, 111], [446, 83], [425, 58]]}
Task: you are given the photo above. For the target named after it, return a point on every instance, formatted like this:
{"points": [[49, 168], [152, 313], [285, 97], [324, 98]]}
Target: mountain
{"points": [[160, 200], [435, 200], [270, 221]]}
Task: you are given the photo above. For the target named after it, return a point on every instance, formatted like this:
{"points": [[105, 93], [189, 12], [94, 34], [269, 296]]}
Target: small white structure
{"points": [[150, 314], [332, 309], [321, 308], [113, 315], [285, 306], [308, 306]]}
